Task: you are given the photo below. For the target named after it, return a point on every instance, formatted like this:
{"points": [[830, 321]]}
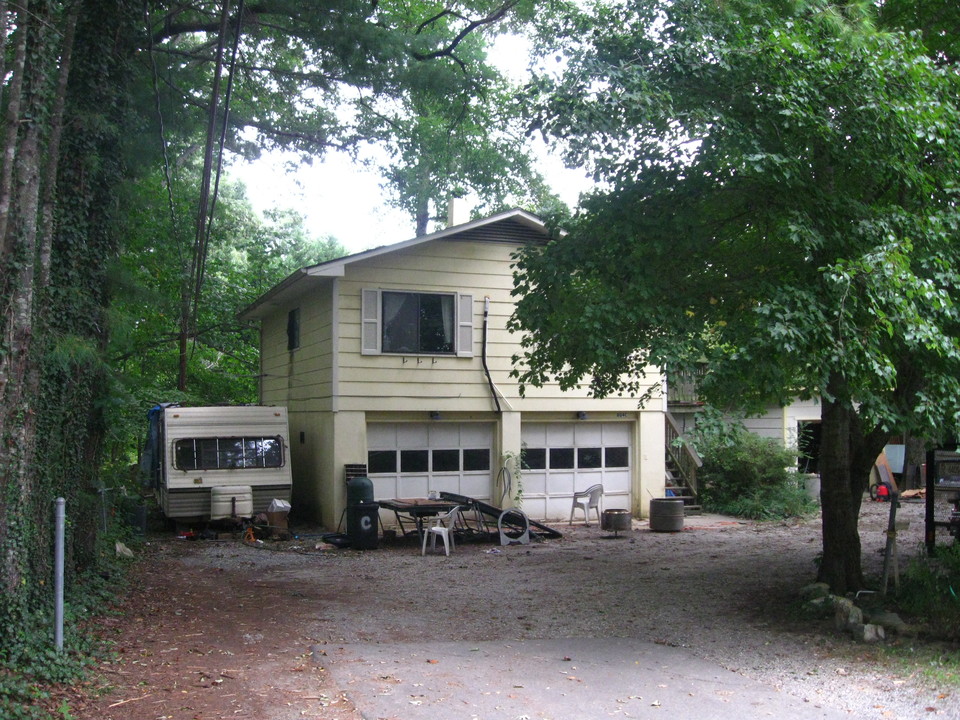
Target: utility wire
{"points": [[199, 259], [171, 205], [209, 200], [226, 112]]}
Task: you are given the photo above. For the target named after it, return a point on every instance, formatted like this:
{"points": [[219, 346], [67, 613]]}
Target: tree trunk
{"points": [[19, 370], [914, 454], [183, 340], [422, 217], [13, 99], [847, 455], [51, 167]]}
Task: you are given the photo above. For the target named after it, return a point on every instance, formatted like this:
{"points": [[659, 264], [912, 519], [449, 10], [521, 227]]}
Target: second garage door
{"points": [[563, 458]]}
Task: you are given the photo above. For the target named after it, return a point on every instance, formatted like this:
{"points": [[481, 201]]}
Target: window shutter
{"points": [[370, 322], [465, 326]]}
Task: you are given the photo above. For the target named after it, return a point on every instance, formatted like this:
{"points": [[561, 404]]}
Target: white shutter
{"points": [[465, 326], [370, 322]]}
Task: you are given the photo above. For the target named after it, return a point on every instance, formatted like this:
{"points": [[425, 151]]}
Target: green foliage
{"points": [[746, 475], [777, 199], [455, 131], [770, 502], [930, 591], [30, 665], [411, 80], [92, 265], [780, 216], [247, 256], [936, 20]]}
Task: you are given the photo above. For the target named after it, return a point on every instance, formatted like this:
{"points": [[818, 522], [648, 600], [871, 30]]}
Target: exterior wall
{"points": [[445, 383], [650, 479], [301, 378], [780, 423], [311, 440]]}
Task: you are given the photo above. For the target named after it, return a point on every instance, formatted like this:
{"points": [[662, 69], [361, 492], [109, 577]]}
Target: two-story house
{"points": [[398, 359]]}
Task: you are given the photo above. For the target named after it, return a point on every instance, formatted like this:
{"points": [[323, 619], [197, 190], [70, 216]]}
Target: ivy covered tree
{"points": [[64, 109], [779, 197]]}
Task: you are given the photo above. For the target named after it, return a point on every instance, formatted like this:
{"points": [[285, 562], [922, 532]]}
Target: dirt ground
{"points": [[215, 629]]}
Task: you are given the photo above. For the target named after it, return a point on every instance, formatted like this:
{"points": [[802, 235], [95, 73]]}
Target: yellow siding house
{"points": [[397, 360]]}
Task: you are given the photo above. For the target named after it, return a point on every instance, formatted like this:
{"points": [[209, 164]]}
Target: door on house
{"points": [[562, 458], [808, 443], [406, 460]]}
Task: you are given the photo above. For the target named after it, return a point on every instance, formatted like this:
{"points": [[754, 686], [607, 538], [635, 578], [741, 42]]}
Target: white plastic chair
{"points": [[441, 525], [587, 500]]}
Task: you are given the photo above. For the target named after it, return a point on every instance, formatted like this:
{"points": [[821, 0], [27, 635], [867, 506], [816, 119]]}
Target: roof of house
{"points": [[512, 226]]}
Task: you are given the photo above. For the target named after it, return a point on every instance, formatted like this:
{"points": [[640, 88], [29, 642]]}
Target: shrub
{"points": [[930, 591], [746, 475]]}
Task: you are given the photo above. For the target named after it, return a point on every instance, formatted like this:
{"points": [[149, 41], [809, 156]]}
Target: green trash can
{"points": [[363, 522]]}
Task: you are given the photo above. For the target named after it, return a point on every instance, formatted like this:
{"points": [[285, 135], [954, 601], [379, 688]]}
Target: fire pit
{"points": [[616, 520]]}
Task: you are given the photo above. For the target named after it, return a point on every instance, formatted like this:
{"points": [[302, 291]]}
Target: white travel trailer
{"points": [[217, 462]]}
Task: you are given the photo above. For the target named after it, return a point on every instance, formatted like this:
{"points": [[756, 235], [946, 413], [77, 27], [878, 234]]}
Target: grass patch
{"points": [[936, 664]]}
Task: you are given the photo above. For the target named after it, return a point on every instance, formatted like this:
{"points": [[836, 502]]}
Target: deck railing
{"points": [[682, 386]]}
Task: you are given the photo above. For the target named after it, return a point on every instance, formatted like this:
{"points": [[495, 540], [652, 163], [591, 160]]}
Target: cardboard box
{"points": [[277, 520]]}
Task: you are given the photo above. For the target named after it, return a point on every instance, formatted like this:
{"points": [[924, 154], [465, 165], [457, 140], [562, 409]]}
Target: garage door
{"points": [[563, 458], [410, 459]]}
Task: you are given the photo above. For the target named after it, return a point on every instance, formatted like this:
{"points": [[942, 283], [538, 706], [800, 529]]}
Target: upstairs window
{"points": [[414, 323], [417, 323]]}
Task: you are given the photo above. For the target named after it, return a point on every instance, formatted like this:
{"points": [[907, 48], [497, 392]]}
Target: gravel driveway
{"points": [[218, 629]]}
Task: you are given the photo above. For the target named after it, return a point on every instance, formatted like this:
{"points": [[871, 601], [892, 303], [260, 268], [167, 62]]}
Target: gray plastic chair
{"points": [[587, 500]]}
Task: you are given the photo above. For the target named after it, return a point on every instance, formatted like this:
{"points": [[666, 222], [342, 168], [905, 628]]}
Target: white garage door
{"points": [[563, 458], [407, 460]]}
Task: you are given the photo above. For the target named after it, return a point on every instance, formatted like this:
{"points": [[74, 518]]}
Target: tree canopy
{"points": [[411, 79], [779, 198]]}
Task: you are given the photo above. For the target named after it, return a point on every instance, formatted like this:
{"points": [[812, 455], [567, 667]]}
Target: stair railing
{"points": [[683, 454]]}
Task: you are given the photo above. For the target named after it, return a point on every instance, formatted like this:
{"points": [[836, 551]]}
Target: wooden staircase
{"points": [[682, 462]]}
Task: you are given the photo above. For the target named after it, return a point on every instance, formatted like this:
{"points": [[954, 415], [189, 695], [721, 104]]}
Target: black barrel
{"points": [[666, 514], [363, 525]]}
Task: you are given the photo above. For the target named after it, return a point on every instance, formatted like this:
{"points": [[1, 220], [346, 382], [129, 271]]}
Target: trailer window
{"points": [[228, 453]]}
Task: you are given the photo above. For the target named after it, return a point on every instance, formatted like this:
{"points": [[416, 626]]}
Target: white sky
{"points": [[344, 200]]}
